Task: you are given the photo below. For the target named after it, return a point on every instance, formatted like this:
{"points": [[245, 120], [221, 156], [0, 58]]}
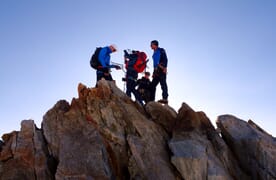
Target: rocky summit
{"points": [[103, 134]]}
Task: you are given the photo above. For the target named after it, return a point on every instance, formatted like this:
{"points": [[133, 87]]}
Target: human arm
{"points": [[163, 60], [104, 58]]}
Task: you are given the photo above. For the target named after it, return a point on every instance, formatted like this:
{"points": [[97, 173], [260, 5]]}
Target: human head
{"points": [[113, 47], [147, 74], [154, 44]]}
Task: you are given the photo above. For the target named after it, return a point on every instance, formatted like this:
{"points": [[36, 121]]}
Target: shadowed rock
{"points": [[254, 148], [24, 154], [198, 151], [163, 115]]}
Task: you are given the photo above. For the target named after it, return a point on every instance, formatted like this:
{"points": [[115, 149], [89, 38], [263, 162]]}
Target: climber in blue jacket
{"points": [[160, 62], [104, 58]]}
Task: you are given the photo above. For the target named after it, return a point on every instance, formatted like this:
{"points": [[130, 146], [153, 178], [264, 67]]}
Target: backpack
{"points": [[94, 61], [141, 62]]}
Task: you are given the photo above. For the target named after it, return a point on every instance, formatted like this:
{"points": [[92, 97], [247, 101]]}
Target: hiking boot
{"points": [[163, 101]]}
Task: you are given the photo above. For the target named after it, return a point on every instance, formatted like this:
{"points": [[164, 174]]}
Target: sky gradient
{"points": [[221, 54]]}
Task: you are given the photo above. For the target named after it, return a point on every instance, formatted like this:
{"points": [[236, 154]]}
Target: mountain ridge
{"points": [[103, 134]]}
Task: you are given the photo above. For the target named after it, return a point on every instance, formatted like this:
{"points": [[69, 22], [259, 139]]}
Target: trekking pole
{"points": [[123, 69]]}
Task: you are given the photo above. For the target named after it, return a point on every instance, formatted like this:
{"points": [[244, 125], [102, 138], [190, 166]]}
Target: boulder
{"points": [[198, 152], [25, 155], [254, 148], [163, 115]]}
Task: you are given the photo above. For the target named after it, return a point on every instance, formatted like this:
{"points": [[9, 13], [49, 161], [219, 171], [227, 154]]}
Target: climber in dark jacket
{"points": [[144, 87], [131, 75]]}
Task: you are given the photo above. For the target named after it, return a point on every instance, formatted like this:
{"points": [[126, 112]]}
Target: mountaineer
{"points": [[144, 85], [134, 63], [160, 62], [100, 61]]}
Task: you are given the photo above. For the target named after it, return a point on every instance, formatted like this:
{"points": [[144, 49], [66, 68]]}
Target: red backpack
{"points": [[141, 62]]}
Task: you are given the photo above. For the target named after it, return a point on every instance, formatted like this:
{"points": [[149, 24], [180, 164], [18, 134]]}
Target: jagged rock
{"points": [[25, 155], [108, 135], [75, 144], [254, 148], [162, 114], [198, 151], [103, 134]]}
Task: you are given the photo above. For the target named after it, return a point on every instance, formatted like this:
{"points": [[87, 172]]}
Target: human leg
{"points": [[108, 77], [154, 83], [137, 94], [131, 89], [164, 87], [99, 75], [128, 87]]}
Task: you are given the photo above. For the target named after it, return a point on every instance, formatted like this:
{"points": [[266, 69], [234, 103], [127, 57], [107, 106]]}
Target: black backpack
{"points": [[94, 61]]}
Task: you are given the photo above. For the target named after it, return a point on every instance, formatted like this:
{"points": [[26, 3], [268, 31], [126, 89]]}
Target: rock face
{"points": [[198, 151], [254, 148], [103, 134], [24, 154]]}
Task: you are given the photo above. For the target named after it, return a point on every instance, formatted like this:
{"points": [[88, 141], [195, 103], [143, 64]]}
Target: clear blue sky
{"points": [[222, 54]]}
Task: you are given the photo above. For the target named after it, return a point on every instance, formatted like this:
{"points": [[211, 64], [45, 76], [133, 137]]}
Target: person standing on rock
{"points": [[160, 62], [131, 75], [104, 58]]}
